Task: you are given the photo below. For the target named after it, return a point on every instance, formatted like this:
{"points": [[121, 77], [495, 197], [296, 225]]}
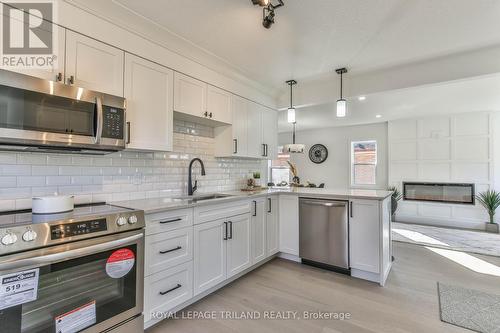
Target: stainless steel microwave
{"points": [[42, 115]]}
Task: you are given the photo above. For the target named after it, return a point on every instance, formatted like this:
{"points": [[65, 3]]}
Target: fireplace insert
{"points": [[456, 193]]}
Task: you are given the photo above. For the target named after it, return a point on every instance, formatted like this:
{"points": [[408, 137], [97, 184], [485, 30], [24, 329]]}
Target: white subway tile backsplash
{"points": [[123, 175]]}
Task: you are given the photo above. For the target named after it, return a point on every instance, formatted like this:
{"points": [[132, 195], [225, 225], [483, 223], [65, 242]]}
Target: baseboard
{"points": [[288, 256]]}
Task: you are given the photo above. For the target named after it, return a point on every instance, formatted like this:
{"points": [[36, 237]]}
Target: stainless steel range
{"points": [[80, 271]]}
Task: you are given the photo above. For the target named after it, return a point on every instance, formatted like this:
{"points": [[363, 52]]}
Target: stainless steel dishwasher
{"points": [[324, 233]]}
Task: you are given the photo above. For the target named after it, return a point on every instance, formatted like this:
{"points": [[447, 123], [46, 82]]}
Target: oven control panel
{"points": [[77, 228]]}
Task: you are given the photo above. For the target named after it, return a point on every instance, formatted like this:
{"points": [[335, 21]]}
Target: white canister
{"points": [[53, 204]]}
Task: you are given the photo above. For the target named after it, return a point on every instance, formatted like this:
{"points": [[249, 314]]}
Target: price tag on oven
{"points": [[18, 288]]}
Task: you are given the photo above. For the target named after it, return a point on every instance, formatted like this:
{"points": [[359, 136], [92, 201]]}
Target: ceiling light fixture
{"points": [[293, 147], [268, 11], [341, 103], [378, 116], [361, 98]]}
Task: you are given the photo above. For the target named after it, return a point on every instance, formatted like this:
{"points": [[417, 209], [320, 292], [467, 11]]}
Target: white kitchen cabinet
{"points": [[254, 131], [190, 95], [165, 290], [270, 133], [289, 224], [209, 255], [232, 140], [238, 245], [272, 226], [56, 72], [149, 94], [364, 235], [93, 65], [258, 221], [219, 104]]}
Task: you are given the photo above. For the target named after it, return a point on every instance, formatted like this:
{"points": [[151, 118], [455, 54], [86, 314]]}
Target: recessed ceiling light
{"points": [[361, 98], [378, 116]]}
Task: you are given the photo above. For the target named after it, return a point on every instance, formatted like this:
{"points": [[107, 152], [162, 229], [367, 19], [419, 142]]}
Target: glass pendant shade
{"points": [[291, 115], [341, 108]]}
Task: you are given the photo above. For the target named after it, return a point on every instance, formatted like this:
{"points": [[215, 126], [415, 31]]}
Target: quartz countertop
{"points": [[156, 205]]}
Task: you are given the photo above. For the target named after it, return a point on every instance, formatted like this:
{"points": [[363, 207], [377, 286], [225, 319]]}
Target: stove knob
{"points": [[132, 219], [29, 236], [9, 239], [121, 221]]}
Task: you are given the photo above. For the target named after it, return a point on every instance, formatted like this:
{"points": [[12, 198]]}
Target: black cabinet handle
{"points": [[170, 290], [270, 206], [235, 141], [267, 150], [128, 132], [254, 208], [230, 230], [350, 209], [225, 231], [171, 250], [170, 221], [264, 150]]}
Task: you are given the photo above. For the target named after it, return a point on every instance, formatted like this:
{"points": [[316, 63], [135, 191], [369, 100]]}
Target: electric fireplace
{"points": [[456, 193]]}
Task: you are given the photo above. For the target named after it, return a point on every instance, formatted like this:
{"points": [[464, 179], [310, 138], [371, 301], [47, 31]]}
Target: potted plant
{"points": [[490, 201], [256, 177], [395, 197]]}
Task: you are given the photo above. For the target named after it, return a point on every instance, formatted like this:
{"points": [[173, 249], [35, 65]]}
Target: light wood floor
{"points": [[408, 303]]}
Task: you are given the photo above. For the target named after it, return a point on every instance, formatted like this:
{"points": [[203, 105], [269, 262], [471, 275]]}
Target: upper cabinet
{"points": [[198, 99], [270, 133], [149, 93], [93, 65], [254, 128]]}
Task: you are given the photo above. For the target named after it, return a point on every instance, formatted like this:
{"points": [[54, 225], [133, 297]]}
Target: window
{"points": [[363, 163], [278, 169]]}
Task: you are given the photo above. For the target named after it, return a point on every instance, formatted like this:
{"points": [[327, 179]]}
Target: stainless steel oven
{"points": [[90, 281], [38, 114]]}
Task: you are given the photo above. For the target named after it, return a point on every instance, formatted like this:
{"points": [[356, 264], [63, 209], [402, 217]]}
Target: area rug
{"points": [[452, 239], [471, 309]]}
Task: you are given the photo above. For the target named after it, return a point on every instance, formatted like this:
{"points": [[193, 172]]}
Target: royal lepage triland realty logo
{"points": [[29, 38]]}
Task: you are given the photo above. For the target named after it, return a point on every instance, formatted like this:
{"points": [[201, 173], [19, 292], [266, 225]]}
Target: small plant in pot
{"points": [[395, 197], [256, 177], [490, 201]]}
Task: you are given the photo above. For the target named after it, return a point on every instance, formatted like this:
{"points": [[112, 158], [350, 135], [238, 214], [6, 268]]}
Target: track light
{"points": [[268, 11]]}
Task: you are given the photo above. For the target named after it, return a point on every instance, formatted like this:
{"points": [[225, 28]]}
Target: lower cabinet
{"points": [[272, 226], [258, 222], [165, 290], [289, 224], [222, 250], [364, 235]]}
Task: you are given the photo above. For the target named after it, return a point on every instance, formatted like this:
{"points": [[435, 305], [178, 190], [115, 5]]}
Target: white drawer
{"points": [[165, 290], [220, 211], [170, 220], [168, 249]]}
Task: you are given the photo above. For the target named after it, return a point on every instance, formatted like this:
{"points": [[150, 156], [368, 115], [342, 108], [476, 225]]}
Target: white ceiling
{"points": [[311, 38], [477, 94]]}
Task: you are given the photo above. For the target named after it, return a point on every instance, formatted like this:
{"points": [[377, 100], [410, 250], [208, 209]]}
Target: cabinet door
{"points": [[56, 72], [238, 244], [289, 224], [258, 221], [239, 114], [364, 234], [209, 255], [149, 93], [93, 65], [270, 133], [272, 226], [254, 128], [190, 95], [219, 104]]}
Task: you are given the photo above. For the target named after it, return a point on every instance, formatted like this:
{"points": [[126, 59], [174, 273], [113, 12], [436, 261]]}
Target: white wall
{"points": [[456, 148], [335, 171]]}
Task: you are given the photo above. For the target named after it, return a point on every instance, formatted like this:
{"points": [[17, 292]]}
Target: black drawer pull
{"points": [[170, 290], [254, 208], [171, 250], [170, 221]]}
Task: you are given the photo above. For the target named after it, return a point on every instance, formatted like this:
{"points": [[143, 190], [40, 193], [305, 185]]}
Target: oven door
{"points": [[85, 286]]}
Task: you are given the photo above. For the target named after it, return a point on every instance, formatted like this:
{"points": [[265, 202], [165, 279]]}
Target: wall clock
{"points": [[318, 153]]}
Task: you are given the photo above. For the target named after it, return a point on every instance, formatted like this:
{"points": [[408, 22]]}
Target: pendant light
{"points": [[341, 103], [293, 147]]}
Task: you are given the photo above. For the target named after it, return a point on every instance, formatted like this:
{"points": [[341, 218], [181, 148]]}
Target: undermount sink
{"points": [[203, 197]]}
